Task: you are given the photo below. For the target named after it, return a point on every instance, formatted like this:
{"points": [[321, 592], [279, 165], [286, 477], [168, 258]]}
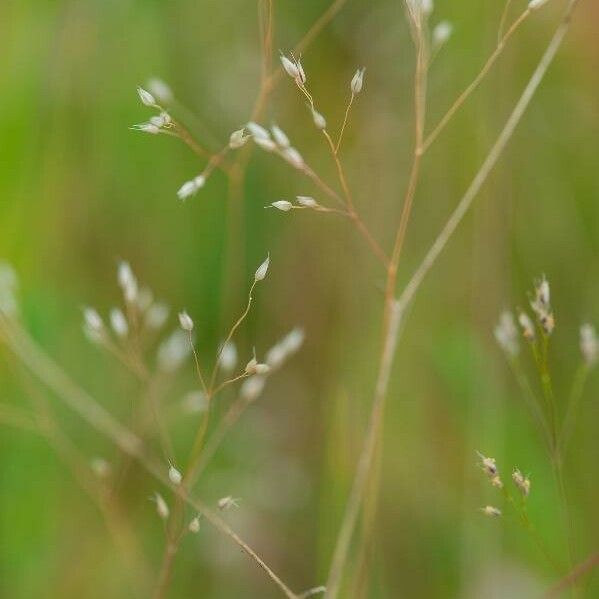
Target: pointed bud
{"points": [[194, 525], [118, 322], [319, 121], [293, 157], [282, 205], [290, 67], [441, 33], [161, 90], [262, 270], [535, 4], [589, 344], [491, 511], [226, 503], [252, 388], [258, 131], [146, 97], [185, 321], [161, 506], [307, 202], [357, 81], [238, 139], [93, 321], [174, 475], [228, 356], [280, 137]]}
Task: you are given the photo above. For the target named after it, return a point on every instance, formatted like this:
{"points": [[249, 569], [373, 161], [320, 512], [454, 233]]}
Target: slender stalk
{"points": [[407, 295], [98, 418], [494, 154], [475, 82], [573, 407], [578, 572], [345, 118]]}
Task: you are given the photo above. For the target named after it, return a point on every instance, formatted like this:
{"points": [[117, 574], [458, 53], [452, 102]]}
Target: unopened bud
{"points": [[357, 81], [262, 270], [185, 321], [282, 205]]}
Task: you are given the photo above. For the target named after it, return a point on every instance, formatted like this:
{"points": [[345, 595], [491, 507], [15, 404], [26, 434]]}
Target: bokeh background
{"points": [[79, 190]]}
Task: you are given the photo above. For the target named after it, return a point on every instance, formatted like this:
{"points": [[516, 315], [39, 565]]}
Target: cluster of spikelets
{"points": [[541, 326], [521, 482], [141, 319]]}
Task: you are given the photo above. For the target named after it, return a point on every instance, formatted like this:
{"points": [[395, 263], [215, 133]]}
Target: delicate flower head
{"points": [[268, 145], [252, 387], [185, 321], [282, 205], [293, 157], [160, 90], [319, 121], [150, 127], [238, 139], [93, 321], [497, 482], [118, 322], [257, 131], [156, 315], [506, 334], [426, 6], [528, 327], [278, 353], [441, 33], [290, 66], [262, 269], [307, 201], [174, 475], [534, 4], [173, 351], [228, 356], [491, 511], [161, 506], [146, 97], [280, 136], [589, 344], [522, 482], [228, 502], [194, 525], [488, 465], [127, 281], [189, 188], [357, 81]]}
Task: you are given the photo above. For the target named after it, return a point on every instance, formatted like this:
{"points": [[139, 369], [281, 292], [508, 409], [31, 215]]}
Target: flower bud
{"points": [[357, 81], [290, 67], [174, 475], [118, 322], [282, 205], [185, 321], [238, 139], [319, 121], [194, 525], [280, 136], [146, 97], [262, 270]]}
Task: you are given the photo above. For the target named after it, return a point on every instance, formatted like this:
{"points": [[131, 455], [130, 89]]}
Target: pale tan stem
{"points": [[101, 420], [475, 82]]}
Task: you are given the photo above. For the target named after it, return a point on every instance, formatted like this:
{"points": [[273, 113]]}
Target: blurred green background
{"points": [[79, 190]]}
